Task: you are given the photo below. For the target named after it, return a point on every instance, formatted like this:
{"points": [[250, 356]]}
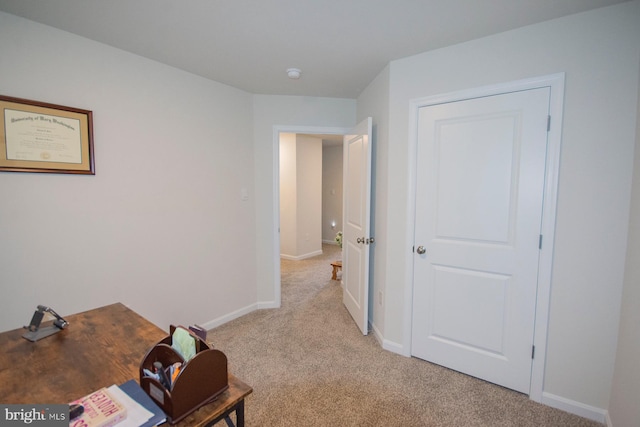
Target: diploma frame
{"points": [[42, 137]]}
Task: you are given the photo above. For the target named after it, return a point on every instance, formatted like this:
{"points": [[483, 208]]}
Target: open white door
{"points": [[356, 237]]}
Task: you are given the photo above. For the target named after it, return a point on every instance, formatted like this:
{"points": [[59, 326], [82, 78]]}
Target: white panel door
{"points": [[479, 193], [356, 239]]}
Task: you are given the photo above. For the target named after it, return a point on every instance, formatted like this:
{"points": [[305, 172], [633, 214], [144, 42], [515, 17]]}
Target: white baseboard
{"points": [[386, 344], [577, 408], [586, 411], [330, 242], [299, 257], [394, 347], [608, 422], [268, 304], [239, 313], [376, 333], [229, 317]]}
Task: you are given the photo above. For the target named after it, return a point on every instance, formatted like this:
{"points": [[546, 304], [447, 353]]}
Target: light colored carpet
{"points": [[309, 365]]}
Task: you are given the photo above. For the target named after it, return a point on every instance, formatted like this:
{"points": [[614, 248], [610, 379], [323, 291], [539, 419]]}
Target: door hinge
{"points": [[548, 123], [413, 249], [533, 351], [540, 242]]}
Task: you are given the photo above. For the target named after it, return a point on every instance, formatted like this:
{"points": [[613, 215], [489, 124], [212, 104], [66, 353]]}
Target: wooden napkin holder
{"points": [[200, 380]]}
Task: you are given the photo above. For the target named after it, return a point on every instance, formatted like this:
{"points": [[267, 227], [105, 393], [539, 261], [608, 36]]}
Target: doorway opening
{"points": [[311, 179], [333, 137]]}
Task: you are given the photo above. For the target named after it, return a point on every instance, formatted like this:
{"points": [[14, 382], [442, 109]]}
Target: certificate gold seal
{"points": [[45, 155]]}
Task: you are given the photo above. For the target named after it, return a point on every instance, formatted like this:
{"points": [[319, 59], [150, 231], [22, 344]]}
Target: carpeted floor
{"points": [[309, 365]]}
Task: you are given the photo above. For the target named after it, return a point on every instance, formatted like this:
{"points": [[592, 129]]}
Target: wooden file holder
{"points": [[200, 381]]}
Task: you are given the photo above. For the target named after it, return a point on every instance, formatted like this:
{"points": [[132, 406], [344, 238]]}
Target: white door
{"points": [[356, 238], [479, 192]]}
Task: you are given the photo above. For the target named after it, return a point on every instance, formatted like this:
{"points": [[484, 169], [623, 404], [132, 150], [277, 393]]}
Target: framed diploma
{"points": [[40, 137]]}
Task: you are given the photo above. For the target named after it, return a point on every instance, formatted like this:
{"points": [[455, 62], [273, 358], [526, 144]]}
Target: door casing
{"points": [[556, 84]]}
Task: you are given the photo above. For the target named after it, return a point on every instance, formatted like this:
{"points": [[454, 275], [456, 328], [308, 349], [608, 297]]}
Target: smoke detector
{"points": [[294, 73]]}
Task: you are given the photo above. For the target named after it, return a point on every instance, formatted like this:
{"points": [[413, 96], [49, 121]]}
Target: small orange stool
{"points": [[337, 265]]}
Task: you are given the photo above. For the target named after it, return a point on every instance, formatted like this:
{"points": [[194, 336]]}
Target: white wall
{"points": [[161, 226], [331, 192], [309, 176], [288, 193], [273, 112], [624, 409], [147, 119], [374, 102], [300, 196], [599, 51]]}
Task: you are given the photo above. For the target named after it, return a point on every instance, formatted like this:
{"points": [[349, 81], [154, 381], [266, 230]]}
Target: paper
{"points": [[184, 343], [41, 137]]}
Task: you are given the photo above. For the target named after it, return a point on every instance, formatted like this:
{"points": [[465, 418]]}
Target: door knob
{"points": [[421, 250], [360, 240]]}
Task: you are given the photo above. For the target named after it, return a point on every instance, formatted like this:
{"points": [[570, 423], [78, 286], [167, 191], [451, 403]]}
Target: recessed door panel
{"points": [[469, 308], [468, 168]]}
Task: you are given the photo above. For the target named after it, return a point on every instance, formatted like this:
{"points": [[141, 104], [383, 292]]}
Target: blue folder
{"points": [[136, 392]]}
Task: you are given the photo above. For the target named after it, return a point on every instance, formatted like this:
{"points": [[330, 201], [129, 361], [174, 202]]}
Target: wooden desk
{"points": [[99, 348]]}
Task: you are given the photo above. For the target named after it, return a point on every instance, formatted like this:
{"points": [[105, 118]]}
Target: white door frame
{"points": [[556, 84], [277, 130]]}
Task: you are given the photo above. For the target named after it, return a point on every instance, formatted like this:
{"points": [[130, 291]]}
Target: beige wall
{"points": [[300, 196], [624, 410], [309, 191], [288, 195], [164, 214], [271, 114], [331, 192]]}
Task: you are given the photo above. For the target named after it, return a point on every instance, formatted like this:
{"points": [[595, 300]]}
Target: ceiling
{"points": [[340, 45]]}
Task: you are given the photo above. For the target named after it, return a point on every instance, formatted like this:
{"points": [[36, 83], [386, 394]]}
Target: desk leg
{"points": [[238, 408], [240, 414]]}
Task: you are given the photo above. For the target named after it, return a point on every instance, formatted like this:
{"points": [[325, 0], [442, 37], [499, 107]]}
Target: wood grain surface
{"points": [[99, 348]]}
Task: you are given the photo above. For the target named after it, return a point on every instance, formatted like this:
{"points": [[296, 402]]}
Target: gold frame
{"points": [[41, 137]]}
